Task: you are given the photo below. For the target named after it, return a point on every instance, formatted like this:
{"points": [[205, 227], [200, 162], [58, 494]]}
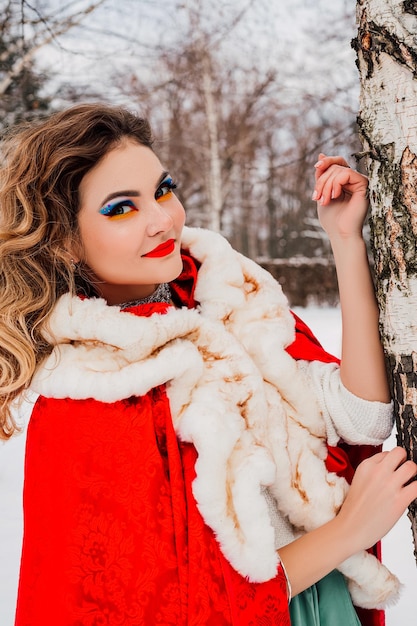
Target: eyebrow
{"points": [[131, 192]]}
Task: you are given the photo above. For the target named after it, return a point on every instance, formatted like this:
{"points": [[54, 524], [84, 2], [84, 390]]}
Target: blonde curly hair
{"points": [[42, 167]]}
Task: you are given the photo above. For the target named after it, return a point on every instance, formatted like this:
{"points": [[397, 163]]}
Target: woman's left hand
{"points": [[341, 195]]}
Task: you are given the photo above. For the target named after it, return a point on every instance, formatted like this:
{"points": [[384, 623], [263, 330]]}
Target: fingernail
{"points": [[314, 196], [318, 164]]}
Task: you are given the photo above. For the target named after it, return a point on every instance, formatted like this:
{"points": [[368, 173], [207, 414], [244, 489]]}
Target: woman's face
{"points": [[130, 224]]}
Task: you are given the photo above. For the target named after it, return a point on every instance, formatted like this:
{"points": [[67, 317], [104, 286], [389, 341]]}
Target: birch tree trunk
{"points": [[386, 49], [215, 174]]}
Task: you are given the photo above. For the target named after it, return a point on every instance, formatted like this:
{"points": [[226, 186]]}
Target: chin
{"points": [[166, 274], [176, 271]]}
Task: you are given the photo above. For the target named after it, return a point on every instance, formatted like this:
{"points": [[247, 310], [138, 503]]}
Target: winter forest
{"points": [[241, 97]]}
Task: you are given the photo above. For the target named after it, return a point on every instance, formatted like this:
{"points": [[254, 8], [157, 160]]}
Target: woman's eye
{"points": [[165, 189], [118, 209]]}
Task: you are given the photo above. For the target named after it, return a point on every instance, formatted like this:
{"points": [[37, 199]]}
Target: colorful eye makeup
{"points": [[118, 209], [165, 189], [122, 208]]}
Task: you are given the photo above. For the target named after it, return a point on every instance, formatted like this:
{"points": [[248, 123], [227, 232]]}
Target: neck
{"points": [[161, 294]]}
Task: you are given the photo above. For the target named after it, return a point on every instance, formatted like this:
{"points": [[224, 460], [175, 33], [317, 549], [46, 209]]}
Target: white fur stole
{"points": [[234, 392]]}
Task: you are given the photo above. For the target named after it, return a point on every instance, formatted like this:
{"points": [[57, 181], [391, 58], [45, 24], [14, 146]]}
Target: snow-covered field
{"points": [[397, 546]]}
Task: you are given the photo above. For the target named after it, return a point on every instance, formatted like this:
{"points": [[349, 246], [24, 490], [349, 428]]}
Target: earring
{"points": [[73, 265]]}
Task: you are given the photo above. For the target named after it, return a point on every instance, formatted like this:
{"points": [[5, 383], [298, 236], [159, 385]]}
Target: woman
{"points": [[179, 455]]}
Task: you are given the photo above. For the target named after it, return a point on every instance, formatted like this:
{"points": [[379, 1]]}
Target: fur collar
{"points": [[235, 393]]}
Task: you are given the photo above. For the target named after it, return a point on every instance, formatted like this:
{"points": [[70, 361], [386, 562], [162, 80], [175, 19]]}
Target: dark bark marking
{"points": [[404, 377], [393, 233], [373, 39], [408, 167], [410, 6]]}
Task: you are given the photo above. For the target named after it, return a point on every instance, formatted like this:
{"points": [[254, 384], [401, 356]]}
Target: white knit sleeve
{"points": [[347, 417]]}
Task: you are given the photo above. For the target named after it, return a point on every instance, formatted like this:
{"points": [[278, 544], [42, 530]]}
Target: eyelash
{"points": [[169, 185], [111, 209]]}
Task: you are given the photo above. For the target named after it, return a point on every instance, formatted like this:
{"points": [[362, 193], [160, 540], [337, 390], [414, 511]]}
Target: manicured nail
{"points": [[318, 164]]}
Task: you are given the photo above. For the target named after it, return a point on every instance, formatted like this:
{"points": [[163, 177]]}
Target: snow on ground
{"points": [[397, 546]]}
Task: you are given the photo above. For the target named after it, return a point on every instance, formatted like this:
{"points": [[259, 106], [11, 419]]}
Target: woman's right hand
{"points": [[341, 194], [379, 494]]}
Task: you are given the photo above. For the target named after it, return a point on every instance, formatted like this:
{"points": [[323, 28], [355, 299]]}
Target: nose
{"points": [[160, 219]]}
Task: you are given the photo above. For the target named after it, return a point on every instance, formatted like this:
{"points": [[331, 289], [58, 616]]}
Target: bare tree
{"points": [[240, 136], [233, 120], [37, 29], [209, 117], [387, 60], [25, 29]]}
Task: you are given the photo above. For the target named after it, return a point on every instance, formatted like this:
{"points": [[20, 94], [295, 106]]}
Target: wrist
{"points": [[313, 555], [349, 251], [346, 526], [347, 240]]}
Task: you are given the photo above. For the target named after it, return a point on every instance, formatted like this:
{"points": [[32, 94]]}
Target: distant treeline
{"points": [[304, 280]]}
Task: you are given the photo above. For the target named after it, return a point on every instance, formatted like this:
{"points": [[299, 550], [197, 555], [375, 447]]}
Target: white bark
{"points": [[388, 118], [387, 59]]}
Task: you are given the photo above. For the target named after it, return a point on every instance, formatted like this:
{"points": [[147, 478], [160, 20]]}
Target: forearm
{"points": [[362, 369], [314, 555]]}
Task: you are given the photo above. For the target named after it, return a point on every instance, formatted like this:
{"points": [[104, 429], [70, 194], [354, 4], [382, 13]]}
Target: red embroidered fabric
{"points": [[112, 532]]}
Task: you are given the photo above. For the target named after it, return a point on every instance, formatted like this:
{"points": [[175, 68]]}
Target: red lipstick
{"points": [[163, 249]]}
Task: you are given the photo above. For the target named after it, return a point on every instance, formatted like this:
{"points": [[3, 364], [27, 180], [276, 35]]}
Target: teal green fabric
{"points": [[327, 603]]}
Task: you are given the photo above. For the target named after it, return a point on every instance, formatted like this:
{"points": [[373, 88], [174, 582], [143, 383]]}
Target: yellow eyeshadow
{"points": [[121, 216], [166, 196]]}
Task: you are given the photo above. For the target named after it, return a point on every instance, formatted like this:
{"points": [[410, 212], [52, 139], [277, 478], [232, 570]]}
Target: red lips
{"points": [[163, 249]]}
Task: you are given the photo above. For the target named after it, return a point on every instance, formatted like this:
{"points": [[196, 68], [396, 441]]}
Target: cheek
{"points": [[179, 217], [110, 242], [94, 240]]}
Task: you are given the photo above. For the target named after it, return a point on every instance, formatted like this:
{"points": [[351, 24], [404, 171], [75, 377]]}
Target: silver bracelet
{"points": [[289, 590]]}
